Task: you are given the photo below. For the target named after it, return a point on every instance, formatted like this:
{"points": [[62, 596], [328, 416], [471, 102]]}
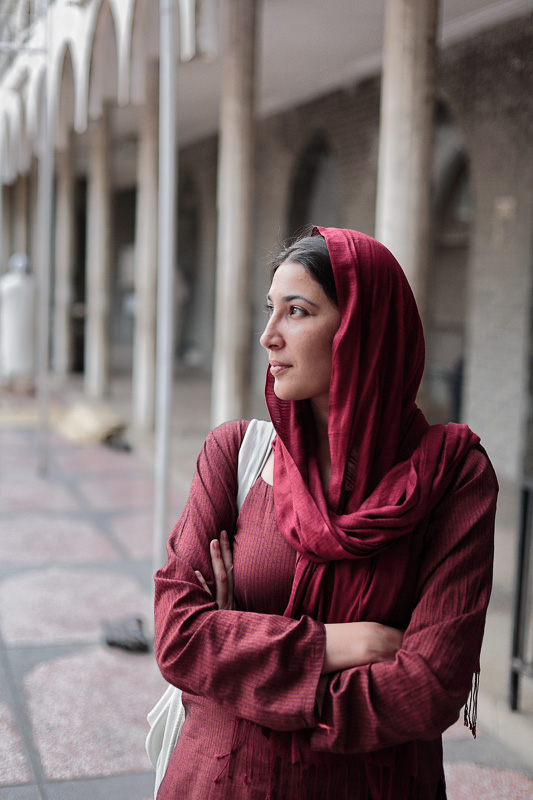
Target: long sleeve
{"points": [[420, 693], [262, 667]]}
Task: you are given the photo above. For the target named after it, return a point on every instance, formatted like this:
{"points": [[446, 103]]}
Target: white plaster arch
{"points": [[34, 106], [11, 104], [4, 145], [122, 15], [18, 134]]}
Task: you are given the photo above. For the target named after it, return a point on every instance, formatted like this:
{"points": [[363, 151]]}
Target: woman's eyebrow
{"points": [[290, 297]]}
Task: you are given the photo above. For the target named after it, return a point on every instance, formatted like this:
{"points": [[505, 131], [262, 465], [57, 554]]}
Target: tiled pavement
{"points": [[75, 550]]}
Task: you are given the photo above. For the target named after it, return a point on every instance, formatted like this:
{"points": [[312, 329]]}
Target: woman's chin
{"points": [[285, 393], [281, 392]]}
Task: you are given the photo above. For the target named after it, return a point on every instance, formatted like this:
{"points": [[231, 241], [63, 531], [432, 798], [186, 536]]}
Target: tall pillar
{"points": [[64, 261], [98, 261], [235, 216], [144, 341], [405, 144]]}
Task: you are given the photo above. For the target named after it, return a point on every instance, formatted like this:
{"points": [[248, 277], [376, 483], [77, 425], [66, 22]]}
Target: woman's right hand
{"points": [[353, 644], [222, 563]]}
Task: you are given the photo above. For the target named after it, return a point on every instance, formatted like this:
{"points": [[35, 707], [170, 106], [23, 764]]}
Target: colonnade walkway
{"points": [[76, 551]]}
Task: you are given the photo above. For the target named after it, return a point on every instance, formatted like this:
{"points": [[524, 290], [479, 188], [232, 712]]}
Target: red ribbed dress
{"points": [[246, 672]]}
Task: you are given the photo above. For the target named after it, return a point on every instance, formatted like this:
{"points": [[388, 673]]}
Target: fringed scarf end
{"points": [[470, 713]]}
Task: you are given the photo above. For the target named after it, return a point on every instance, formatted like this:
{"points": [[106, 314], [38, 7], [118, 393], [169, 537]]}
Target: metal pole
{"points": [[45, 196], [165, 273]]}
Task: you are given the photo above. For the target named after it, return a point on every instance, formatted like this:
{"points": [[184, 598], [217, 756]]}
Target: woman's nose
{"points": [[270, 336]]}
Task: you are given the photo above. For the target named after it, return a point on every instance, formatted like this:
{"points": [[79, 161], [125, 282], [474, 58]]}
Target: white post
{"points": [[64, 262], [144, 344], [98, 262], [406, 128], [165, 272], [45, 197], [235, 216]]}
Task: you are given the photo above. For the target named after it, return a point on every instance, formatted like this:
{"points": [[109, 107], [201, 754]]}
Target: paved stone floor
{"points": [[75, 551]]}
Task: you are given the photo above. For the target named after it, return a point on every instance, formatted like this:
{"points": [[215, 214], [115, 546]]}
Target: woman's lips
{"points": [[277, 369]]}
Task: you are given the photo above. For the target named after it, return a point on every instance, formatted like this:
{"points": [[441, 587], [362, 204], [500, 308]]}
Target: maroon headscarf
{"points": [[389, 468]]}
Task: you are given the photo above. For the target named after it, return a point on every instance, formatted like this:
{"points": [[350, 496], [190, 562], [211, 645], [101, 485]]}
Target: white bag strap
{"points": [[253, 454], [168, 715]]}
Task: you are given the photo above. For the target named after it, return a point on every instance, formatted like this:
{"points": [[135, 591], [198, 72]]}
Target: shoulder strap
{"points": [[253, 454]]}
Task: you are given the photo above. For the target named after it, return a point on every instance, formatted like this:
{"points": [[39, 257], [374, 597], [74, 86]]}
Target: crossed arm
{"points": [[414, 694], [348, 644]]}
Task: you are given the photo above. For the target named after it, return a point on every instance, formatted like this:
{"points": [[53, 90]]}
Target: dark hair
{"points": [[313, 254]]}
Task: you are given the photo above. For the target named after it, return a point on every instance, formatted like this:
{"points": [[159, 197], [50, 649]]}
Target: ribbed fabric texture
{"points": [[248, 671]]}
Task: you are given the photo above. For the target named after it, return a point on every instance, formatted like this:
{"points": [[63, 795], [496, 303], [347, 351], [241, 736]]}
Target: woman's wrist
{"points": [[353, 644]]}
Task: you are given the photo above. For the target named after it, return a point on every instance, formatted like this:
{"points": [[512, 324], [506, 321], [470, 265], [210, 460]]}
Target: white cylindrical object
{"points": [[64, 262], [165, 273], [17, 327], [98, 266], [146, 220], [235, 217]]}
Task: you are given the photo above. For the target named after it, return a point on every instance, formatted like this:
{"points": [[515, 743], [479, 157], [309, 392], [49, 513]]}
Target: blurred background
{"points": [[152, 157]]}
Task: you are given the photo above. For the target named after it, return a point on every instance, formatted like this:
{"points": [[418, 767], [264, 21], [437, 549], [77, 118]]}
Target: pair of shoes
{"points": [[127, 634]]}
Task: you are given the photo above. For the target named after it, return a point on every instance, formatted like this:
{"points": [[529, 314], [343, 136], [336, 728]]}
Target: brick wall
{"points": [[488, 83]]}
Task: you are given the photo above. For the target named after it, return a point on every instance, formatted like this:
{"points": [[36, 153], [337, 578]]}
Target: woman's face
{"points": [[299, 335]]}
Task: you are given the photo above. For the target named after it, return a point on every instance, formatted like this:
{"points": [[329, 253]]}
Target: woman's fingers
{"points": [[222, 562], [202, 580], [227, 558]]}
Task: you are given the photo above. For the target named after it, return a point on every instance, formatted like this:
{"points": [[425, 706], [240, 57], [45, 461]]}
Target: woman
{"points": [[361, 576]]}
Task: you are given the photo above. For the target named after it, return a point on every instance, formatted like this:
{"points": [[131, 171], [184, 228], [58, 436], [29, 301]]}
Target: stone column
{"points": [[64, 261], [144, 342], [98, 261], [406, 127], [20, 243], [235, 216]]}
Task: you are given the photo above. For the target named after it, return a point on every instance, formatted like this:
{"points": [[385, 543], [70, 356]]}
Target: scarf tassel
{"points": [[470, 713]]}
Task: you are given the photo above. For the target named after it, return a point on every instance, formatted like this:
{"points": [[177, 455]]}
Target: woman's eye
{"points": [[269, 310], [296, 311]]}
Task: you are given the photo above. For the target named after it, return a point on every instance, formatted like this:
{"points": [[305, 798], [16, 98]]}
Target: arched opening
{"points": [[66, 103], [103, 75], [447, 280], [315, 196], [188, 336], [122, 281]]}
